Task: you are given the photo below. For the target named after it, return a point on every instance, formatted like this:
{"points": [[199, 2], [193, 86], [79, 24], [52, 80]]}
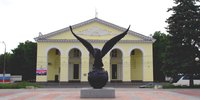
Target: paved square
{"points": [[121, 94]]}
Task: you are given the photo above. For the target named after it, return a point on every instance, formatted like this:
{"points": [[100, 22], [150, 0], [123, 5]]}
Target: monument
{"points": [[98, 77]]}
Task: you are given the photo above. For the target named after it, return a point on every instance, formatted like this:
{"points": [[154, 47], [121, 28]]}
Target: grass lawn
{"points": [[17, 85]]}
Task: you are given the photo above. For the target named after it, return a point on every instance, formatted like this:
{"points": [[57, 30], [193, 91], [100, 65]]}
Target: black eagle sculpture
{"points": [[98, 77]]}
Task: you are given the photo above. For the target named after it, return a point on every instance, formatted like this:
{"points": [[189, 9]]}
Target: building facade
{"points": [[61, 57]]}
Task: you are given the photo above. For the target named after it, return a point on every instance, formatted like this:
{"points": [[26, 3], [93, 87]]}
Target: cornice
{"points": [[92, 41]]}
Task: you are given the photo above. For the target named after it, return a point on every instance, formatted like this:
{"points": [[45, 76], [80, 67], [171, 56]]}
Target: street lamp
{"points": [[197, 59], [4, 66]]}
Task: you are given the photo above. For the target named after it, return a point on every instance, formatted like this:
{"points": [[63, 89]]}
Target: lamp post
{"points": [[197, 59], [4, 66]]}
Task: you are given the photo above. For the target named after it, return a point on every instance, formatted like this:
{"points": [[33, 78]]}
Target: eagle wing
{"points": [[110, 43], [88, 46]]}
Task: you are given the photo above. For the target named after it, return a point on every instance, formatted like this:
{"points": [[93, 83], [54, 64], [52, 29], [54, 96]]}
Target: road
{"points": [[121, 94]]}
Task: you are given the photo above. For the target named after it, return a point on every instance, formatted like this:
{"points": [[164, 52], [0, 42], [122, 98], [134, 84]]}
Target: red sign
{"points": [[41, 71]]}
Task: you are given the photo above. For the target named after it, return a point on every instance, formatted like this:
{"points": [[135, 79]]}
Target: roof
{"points": [[46, 36]]}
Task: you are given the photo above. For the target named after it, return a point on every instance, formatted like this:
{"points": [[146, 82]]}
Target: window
{"points": [[186, 77], [76, 71], [114, 53], [195, 77], [114, 71], [76, 53]]}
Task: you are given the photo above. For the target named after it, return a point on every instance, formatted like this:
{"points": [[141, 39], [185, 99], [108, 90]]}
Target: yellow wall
{"points": [[64, 47], [53, 65], [114, 32], [136, 65]]}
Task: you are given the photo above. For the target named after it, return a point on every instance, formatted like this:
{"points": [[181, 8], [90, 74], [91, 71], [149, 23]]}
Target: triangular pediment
{"points": [[93, 29]]}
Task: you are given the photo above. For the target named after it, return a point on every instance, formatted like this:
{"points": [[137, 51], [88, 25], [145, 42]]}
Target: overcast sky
{"points": [[22, 20]]}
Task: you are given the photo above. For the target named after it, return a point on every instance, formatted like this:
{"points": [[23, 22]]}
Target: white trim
{"points": [[49, 48], [74, 47], [92, 41], [117, 47], [52, 47], [142, 50]]}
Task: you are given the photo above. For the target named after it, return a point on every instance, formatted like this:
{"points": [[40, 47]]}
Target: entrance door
{"points": [[114, 71], [76, 71]]}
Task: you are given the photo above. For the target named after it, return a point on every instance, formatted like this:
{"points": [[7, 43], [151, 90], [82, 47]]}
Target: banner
{"points": [[41, 71]]}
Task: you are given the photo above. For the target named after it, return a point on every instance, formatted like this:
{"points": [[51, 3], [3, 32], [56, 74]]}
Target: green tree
{"points": [[1, 63], [24, 60], [159, 53], [184, 32], [7, 63]]}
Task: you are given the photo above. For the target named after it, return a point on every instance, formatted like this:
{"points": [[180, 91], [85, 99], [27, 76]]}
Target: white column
{"points": [[126, 67], [41, 64], [84, 66], [106, 62], [64, 68]]}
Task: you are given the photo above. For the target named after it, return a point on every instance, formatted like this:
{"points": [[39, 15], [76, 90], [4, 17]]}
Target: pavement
{"points": [[121, 94], [86, 84]]}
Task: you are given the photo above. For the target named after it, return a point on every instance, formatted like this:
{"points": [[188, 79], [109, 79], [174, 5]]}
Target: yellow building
{"points": [[61, 57]]}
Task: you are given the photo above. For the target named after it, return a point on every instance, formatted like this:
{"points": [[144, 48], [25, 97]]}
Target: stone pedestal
{"points": [[97, 93]]}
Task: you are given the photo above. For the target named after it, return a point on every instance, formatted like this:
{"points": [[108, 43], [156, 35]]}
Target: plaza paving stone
{"points": [[121, 94]]}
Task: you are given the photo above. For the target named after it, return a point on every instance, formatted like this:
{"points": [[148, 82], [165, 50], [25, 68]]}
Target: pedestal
{"points": [[97, 93]]}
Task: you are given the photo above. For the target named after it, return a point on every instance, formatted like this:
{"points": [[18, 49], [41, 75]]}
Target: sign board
{"points": [[41, 71], [4, 78]]}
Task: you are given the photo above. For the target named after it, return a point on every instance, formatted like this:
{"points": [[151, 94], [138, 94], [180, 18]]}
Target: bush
{"points": [[17, 85]]}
